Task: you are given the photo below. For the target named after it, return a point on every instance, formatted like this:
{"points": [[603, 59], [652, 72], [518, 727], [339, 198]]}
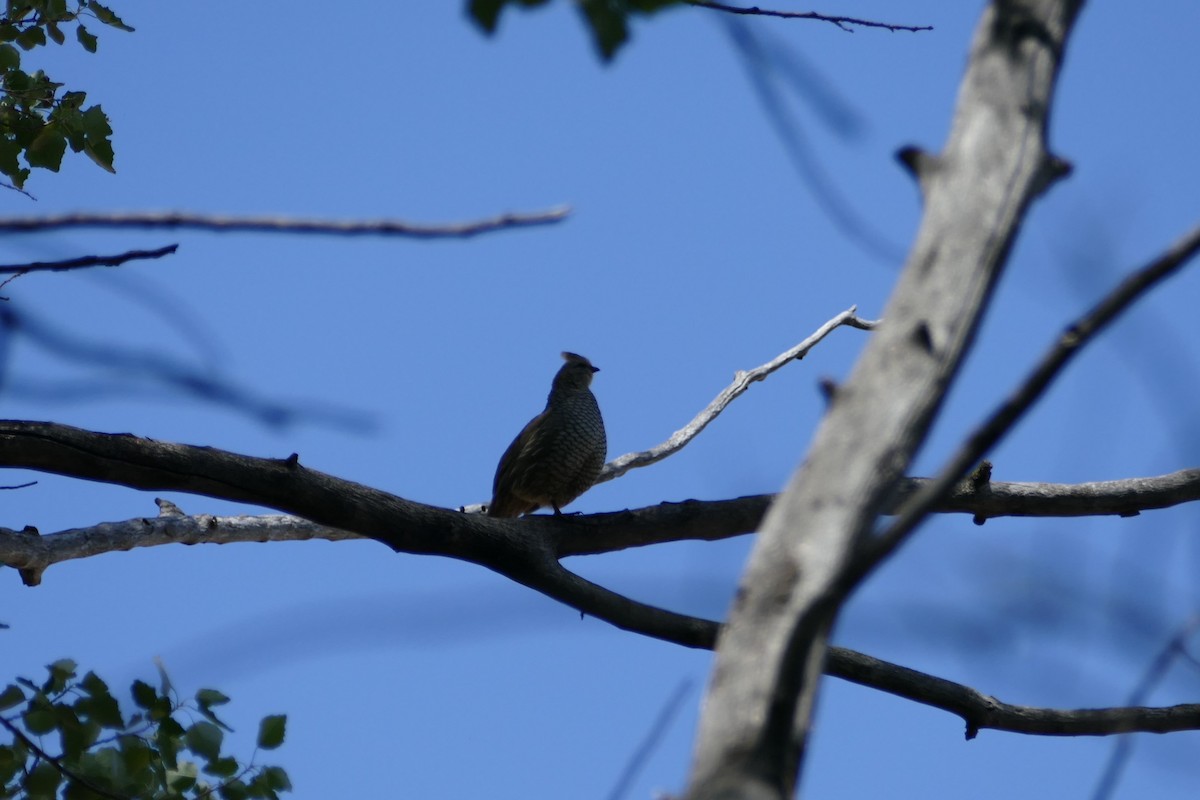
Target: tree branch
{"points": [[591, 534], [87, 261], [842, 22], [524, 550], [264, 224], [758, 710], [742, 381], [980, 711], [1002, 420]]}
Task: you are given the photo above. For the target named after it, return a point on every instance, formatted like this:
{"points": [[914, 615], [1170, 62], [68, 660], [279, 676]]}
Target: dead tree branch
{"points": [[591, 534], [87, 261], [742, 381], [980, 711], [758, 710], [265, 224], [1002, 420], [845, 23], [524, 550]]}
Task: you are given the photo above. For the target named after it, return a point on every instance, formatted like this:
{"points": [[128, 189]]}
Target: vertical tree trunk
{"points": [[763, 688]]}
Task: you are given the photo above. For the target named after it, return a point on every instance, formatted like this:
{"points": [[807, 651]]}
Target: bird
{"points": [[559, 454]]}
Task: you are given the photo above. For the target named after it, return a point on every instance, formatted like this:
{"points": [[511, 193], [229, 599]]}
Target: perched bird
{"points": [[558, 455]]}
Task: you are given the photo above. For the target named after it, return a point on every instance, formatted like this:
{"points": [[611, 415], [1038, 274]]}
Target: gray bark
{"points": [[769, 657]]}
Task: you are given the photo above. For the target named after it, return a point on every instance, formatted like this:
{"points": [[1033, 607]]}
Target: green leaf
{"points": [[31, 38], [607, 21], [206, 698], [107, 16], [61, 671], [99, 705], [486, 13], [277, 778], [204, 739], [10, 57], [88, 40], [271, 731], [143, 694], [135, 754], [234, 790], [47, 149], [11, 696], [168, 743], [8, 32], [10, 763], [39, 716], [42, 781], [224, 767], [55, 33], [183, 778]]}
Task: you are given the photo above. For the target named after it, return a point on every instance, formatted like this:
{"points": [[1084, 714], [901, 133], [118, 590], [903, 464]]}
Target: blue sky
{"points": [[694, 249]]}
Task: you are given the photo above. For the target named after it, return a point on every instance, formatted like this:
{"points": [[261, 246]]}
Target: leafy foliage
{"points": [[608, 20], [157, 752], [37, 123]]}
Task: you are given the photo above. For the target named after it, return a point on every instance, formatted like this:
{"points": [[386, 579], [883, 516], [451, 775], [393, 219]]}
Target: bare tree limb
{"points": [[264, 224], [523, 550], [742, 381], [980, 711], [1002, 420], [844, 23], [591, 534], [88, 261], [757, 714]]}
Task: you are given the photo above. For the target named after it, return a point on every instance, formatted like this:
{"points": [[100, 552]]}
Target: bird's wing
{"points": [[517, 456]]}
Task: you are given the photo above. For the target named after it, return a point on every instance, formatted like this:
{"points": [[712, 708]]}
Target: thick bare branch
{"points": [[758, 710], [263, 224], [1002, 420], [88, 261], [845, 23], [523, 550], [742, 381], [590, 534]]}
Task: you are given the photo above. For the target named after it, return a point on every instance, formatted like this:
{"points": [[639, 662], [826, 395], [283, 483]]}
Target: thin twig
{"points": [[842, 22], [264, 224], [741, 382], [87, 261], [1123, 746], [1002, 420], [657, 730]]}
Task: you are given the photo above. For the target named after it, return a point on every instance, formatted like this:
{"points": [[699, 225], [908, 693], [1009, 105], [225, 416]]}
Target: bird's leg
{"points": [[557, 510]]}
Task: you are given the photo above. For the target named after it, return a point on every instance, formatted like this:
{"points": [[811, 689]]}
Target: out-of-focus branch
{"points": [[845, 23], [87, 261], [266, 224], [742, 381]]}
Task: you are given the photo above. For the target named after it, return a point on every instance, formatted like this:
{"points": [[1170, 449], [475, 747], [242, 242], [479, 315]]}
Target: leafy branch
{"points": [[141, 755], [37, 123]]}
